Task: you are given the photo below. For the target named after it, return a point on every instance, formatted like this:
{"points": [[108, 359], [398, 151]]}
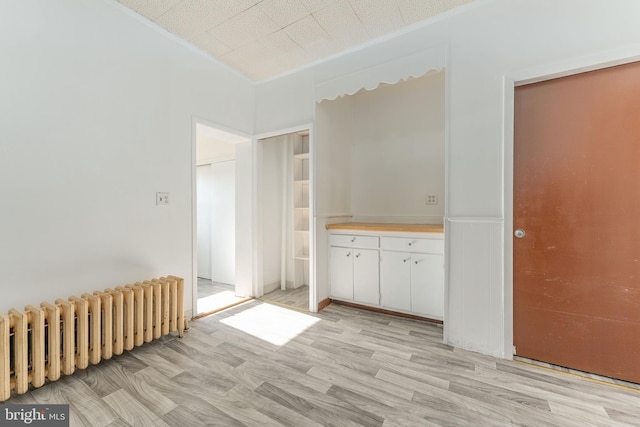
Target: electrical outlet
{"points": [[162, 199], [431, 199]]}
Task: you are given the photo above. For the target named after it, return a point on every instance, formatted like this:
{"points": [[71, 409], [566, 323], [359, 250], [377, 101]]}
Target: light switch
{"points": [[162, 199]]}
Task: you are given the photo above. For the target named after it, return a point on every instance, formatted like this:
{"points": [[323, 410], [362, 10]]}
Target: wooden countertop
{"points": [[371, 226]]}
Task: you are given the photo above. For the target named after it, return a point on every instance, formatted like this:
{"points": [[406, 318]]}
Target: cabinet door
{"points": [[427, 285], [366, 276], [396, 280], [341, 272]]}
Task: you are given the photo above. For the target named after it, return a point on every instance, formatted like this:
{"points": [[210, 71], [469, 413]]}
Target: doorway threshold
{"points": [[600, 379], [225, 307]]}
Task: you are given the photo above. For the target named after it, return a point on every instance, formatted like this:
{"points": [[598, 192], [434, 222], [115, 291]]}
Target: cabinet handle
{"points": [[353, 239], [358, 255], [406, 259], [349, 254]]}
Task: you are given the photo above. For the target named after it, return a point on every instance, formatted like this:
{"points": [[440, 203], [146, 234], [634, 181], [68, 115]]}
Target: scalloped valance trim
{"points": [[390, 72]]}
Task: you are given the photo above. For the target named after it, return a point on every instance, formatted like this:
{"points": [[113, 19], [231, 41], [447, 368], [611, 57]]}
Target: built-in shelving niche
{"points": [[301, 181], [285, 188]]}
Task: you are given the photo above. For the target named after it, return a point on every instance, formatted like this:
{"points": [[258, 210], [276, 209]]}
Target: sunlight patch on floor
{"points": [[217, 301], [274, 324]]}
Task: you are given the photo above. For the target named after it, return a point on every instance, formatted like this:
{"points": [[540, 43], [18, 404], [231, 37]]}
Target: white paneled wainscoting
{"points": [[477, 312]]}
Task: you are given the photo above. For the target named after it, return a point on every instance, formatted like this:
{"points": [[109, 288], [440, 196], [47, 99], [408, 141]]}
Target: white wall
{"points": [[333, 192], [223, 222], [397, 151], [96, 111], [487, 42], [332, 189], [214, 144], [210, 150], [215, 151], [246, 206], [204, 220], [272, 205]]}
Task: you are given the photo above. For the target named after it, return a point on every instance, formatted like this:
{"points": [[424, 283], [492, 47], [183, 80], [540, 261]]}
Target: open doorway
{"points": [[215, 219], [285, 184]]}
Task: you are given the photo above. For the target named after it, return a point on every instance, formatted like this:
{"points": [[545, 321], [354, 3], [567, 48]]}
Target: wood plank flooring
{"points": [[343, 367], [214, 296], [207, 288], [297, 298]]}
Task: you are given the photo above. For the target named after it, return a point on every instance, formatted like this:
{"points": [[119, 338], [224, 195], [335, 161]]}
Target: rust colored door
{"points": [[577, 199]]}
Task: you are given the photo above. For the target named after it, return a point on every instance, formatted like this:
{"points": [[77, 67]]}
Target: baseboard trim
{"points": [[385, 311], [323, 304]]}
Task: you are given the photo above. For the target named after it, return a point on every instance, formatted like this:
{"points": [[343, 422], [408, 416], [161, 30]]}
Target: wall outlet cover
{"points": [[162, 199]]}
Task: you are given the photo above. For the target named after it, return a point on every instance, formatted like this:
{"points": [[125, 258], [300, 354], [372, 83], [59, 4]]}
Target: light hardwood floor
{"points": [[214, 296], [344, 367], [296, 298], [207, 288]]}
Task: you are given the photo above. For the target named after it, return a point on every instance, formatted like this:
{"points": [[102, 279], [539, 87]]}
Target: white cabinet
{"points": [[354, 272], [427, 285], [396, 271], [341, 276], [413, 282], [396, 280], [366, 276], [413, 275]]}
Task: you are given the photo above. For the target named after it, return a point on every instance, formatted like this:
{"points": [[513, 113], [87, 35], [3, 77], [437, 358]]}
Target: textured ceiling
{"points": [[264, 38]]}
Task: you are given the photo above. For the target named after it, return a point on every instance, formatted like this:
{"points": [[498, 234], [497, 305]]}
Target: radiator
{"points": [[40, 344]]}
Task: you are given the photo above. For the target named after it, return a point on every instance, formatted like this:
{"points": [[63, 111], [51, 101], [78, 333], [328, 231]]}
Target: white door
{"points": [[223, 222], [366, 276], [203, 202], [396, 280], [427, 284], [341, 271]]}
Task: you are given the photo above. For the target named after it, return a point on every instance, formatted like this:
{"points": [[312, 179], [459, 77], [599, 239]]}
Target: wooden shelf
{"points": [[301, 181], [301, 156]]}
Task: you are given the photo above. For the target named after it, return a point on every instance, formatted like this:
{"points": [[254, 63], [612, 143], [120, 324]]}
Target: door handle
{"points": [[519, 233]]}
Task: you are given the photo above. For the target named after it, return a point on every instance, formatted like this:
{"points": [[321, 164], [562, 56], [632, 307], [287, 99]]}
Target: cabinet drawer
{"points": [[353, 241], [408, 244]]}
